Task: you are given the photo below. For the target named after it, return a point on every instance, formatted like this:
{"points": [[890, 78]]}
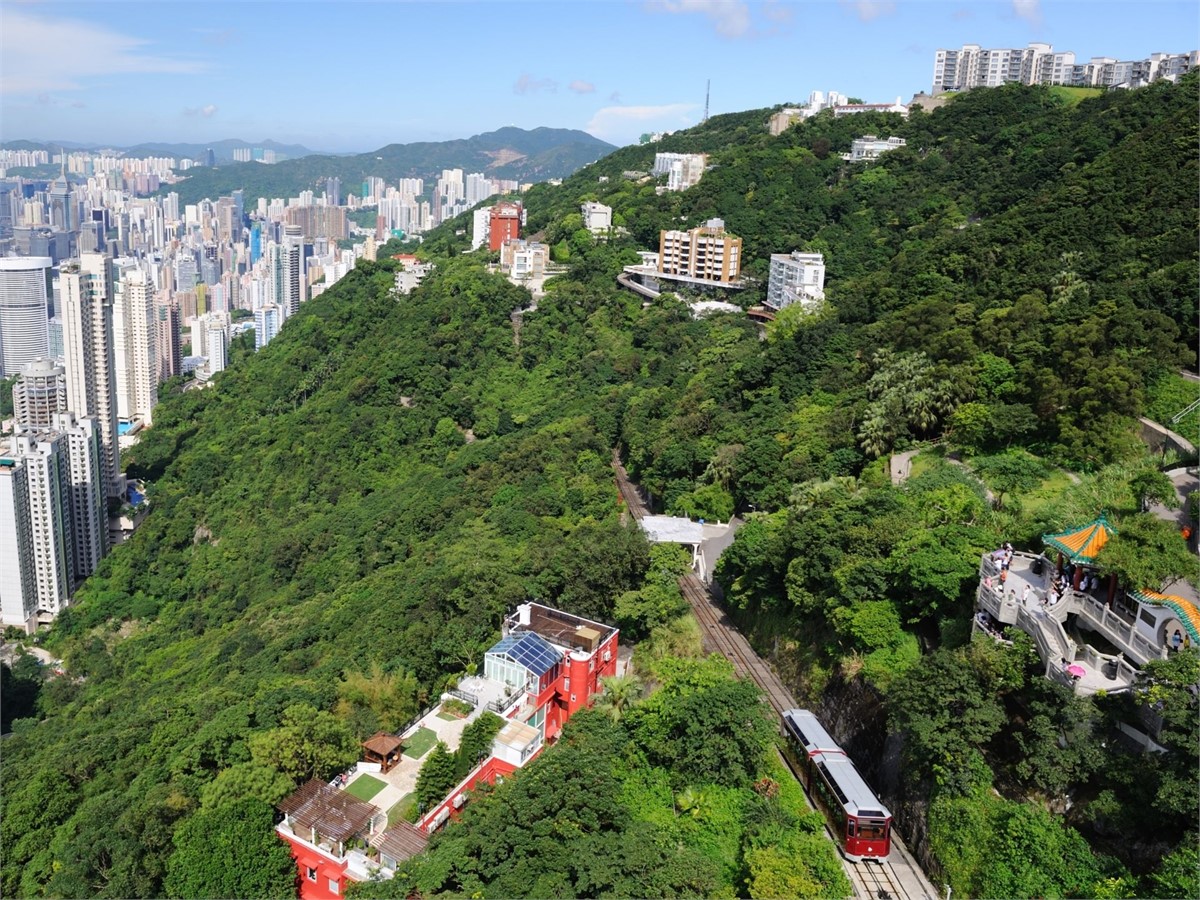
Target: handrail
{"points": [[1195, 404]]}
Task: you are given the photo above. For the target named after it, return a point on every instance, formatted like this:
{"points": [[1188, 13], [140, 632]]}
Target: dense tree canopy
{"points": [[340, 523]]}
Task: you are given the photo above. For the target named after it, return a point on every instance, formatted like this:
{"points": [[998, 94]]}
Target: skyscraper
{"points": [[18, 584], [24, 312], [87, 300], [266, 325], [134, 343], [86, 496], [168, 344], [292, 264], [62, 214], [48, 506]]}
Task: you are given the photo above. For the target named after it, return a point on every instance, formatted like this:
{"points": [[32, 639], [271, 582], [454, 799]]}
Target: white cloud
{"points": [[28, 66], [622, 124], [205, 111], [1029, 10], [730, 18], [528, 84], [868, 10], [582, 87]]}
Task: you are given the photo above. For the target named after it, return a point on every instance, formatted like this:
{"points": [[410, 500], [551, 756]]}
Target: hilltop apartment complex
{"points": [[973, 66]]}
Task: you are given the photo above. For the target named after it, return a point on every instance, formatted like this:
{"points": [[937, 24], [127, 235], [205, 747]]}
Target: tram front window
{"points": [[872, 829]]}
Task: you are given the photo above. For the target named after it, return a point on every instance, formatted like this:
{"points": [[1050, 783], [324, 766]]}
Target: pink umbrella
{"points": [[1076, 671]]}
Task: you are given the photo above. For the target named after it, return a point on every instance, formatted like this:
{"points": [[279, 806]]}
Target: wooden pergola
{"points": [[383, 748]]}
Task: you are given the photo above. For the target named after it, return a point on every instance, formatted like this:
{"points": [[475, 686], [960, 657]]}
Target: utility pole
{"points": [[707, 90]]}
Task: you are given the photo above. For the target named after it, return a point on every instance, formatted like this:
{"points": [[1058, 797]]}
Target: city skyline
{"points": [[614, 69]]}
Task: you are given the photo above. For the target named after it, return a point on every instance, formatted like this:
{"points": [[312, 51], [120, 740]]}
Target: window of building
{"points": [[312, 873], [333, 886]]}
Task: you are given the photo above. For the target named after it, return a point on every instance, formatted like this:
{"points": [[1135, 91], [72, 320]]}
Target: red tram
{"points": [[862, 824]]}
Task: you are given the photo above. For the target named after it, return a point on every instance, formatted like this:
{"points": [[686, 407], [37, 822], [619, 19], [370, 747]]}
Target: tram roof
{"points": [[810, 730], [854, 793]]}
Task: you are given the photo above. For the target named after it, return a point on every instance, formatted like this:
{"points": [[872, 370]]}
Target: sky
{"points": [[355, 75]]}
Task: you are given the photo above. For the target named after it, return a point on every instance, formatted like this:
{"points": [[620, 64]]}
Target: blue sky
{"points": [[355, 75]]}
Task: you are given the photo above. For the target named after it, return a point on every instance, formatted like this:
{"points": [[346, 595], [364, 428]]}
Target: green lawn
{"points": [[364, 787], [1049, 491], [420, 743], [925, 460], [1074, 94], [403, 810], [448, 717]]}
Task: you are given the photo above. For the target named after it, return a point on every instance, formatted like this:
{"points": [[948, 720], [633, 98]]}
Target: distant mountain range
{"points": [[222, 150], [515, 153]]}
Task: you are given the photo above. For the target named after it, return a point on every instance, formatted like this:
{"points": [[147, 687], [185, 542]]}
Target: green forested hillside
{"points": [[364, 498]]}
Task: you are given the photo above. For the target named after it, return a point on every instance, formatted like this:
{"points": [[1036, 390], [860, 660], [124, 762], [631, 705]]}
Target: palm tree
{"points": [[620, 693], [692, 801]]}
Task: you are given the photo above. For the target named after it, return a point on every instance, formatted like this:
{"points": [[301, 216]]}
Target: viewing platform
{"points": [[1090, 634]]}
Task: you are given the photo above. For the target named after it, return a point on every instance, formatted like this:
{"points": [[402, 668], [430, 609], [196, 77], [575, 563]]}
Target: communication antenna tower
{"points": [[707, 90]]}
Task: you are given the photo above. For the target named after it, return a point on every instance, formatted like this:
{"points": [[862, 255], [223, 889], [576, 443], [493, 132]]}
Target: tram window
{"points": [[849, 828], [872, 829]]}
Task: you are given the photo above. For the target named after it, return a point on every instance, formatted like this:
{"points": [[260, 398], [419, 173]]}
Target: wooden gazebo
{"points": [[382, 748]]}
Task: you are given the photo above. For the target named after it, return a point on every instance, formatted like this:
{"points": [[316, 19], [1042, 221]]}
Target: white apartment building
{"points": [[523, 259], [217, 347], [597, 218], [48, 507], [134, 342], [293, 284], [973, 66], [24, 312], [39, 393], [18, 581], [682, 169], [481, 226], [87, 312], [796, 277], [87, 500], [869, 147], [706, 253], [266, 325]]}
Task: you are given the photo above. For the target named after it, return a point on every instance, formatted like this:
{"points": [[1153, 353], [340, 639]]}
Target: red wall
{"points": [[305, 857], [503, 228]]}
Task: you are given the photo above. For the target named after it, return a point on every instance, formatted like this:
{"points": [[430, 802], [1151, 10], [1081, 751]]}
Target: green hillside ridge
{"points": [[368, 495], [544, 153]]}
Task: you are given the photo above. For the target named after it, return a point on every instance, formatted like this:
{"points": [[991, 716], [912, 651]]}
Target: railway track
{"points": [[721, 636], [877, 881], [630, 495], [899, 877]]}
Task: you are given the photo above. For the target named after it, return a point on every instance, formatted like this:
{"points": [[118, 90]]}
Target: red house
{"points": [[504, 224], [545, 668]]}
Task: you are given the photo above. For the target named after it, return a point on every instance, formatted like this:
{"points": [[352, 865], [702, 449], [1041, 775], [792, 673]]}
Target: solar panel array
{"points": [[530, 650]]}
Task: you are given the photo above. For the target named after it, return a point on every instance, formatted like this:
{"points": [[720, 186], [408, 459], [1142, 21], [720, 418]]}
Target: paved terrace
{"points": [[401, 779], [1045, 624]]}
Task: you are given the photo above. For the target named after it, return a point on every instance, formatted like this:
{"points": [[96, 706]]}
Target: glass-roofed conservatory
{"points": [[525, 661]]}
